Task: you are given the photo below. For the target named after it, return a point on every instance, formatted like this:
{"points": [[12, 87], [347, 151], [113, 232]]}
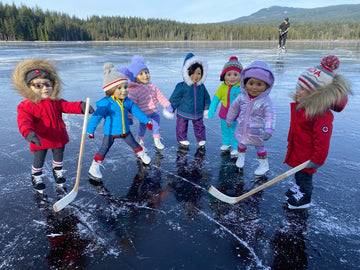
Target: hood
{"points": [[19, 75], [326, 97], [191, 59], [259, 70]]}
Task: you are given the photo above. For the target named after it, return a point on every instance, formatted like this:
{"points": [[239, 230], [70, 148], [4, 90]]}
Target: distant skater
{"points": [[319, 90], [283, 31]]}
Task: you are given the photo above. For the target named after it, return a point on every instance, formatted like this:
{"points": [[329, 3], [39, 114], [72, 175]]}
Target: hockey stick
{"points": [[60, 204], [222, 197]]}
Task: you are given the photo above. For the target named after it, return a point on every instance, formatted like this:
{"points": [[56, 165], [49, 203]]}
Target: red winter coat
{"points": [[308, 138], [45, 119]]}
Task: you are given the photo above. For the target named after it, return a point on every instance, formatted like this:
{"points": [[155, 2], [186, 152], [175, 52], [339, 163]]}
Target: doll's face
{"points": [[41, 87], [121, 91], [143, 77], [196, 76], [232, 77], [255, 86], [301, 93]]}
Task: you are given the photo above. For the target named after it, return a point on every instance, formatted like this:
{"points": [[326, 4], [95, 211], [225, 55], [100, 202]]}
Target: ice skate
{"points": [[225, 147], [38, 184], [184, 143], [144, 157], [263, 167], [158, 144], [58, 174], [94, 171], [299, 201], [240, 160]]}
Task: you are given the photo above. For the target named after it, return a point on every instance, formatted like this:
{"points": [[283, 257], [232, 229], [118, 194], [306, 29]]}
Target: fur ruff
{"points": [[323, 98], [19, 75], [188, 63]]}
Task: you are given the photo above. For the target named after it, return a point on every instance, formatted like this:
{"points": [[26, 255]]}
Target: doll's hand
{"points": [[33, 138], [149, 125], [228, 124], [83, 107], [266, 136], [91, 136], [131, 121], [313, 165], [206, 114], [170, 109]]}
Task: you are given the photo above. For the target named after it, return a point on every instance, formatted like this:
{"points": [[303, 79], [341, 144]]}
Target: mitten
{"points": [[167, 114], [149, 125], [91, 136], [83, 107], [170, 108], [313, 165], [33, 138], [206, 114], [266, 136]]}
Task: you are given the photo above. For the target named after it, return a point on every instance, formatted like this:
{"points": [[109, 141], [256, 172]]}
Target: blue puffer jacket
{"points": [[115, 115], [188, 98]]}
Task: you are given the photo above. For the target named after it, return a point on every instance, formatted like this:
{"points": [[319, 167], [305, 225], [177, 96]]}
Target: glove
{"points": [[149, 125], [83, 107], [206, 114], [131, 121], [266, 136], [313, 165], [33, 138], [91, 136]]}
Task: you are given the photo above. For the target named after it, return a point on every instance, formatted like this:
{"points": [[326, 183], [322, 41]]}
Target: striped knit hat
{"points": [[319, 76], [232, 64], [112, 77]]}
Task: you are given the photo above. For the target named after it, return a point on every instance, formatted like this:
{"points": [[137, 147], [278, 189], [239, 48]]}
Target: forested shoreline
{"points": [[33, 24]]}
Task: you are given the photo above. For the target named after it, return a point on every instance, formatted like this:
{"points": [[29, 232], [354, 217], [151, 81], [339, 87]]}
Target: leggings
{"points": [[108, 141], [39, 156]]}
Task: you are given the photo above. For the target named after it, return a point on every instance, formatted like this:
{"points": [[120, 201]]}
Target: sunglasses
{"points": [[41, 85]]}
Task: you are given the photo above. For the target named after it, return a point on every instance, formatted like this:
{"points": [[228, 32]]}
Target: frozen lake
{"points": [[162, 217]]}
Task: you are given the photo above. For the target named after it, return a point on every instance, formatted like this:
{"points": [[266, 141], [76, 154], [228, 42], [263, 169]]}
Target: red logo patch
{"points": [[325, 129], [37, 71]]}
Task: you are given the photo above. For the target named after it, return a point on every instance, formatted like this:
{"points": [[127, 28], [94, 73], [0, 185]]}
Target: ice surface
{"points": [[161, 216]]}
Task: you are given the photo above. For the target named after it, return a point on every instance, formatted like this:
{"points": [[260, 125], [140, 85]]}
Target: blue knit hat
{"points": [[137, 65]]}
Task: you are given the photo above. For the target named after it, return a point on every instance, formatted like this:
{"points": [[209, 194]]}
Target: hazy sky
{"points": [[189, 11]]}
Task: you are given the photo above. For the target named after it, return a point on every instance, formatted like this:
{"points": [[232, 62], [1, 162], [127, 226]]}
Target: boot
{"points": [[36, 180], [184, 143], [94, 171], [158, 144], [202, 143], [240, 160], [144, 157], [140, 141], [58, 173], [225, 147], [263, 167]]}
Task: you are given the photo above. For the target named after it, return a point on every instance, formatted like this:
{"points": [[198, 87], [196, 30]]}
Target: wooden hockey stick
{"points": [[222, 197], [60, 204]]}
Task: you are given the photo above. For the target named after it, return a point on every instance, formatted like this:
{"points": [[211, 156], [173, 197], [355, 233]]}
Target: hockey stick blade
{"points": [[222, 197], [60, 204]]}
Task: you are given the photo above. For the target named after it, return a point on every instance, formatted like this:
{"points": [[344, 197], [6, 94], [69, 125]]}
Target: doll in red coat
{"points": [[40, 115], [319, 90]]}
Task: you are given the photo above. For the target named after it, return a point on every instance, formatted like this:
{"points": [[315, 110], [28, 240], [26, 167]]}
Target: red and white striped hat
{"points": [[319, 76]]}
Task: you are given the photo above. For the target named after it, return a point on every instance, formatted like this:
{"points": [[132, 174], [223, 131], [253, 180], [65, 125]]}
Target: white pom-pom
{"points": [[168, 115], [108, 65]]}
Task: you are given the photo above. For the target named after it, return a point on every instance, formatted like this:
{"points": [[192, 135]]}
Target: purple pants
{"points": [[182, 125]]}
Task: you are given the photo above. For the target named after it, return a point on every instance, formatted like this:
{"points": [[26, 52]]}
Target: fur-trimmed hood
{"points": [[19, 75], [326, 97], [191, 59]]}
